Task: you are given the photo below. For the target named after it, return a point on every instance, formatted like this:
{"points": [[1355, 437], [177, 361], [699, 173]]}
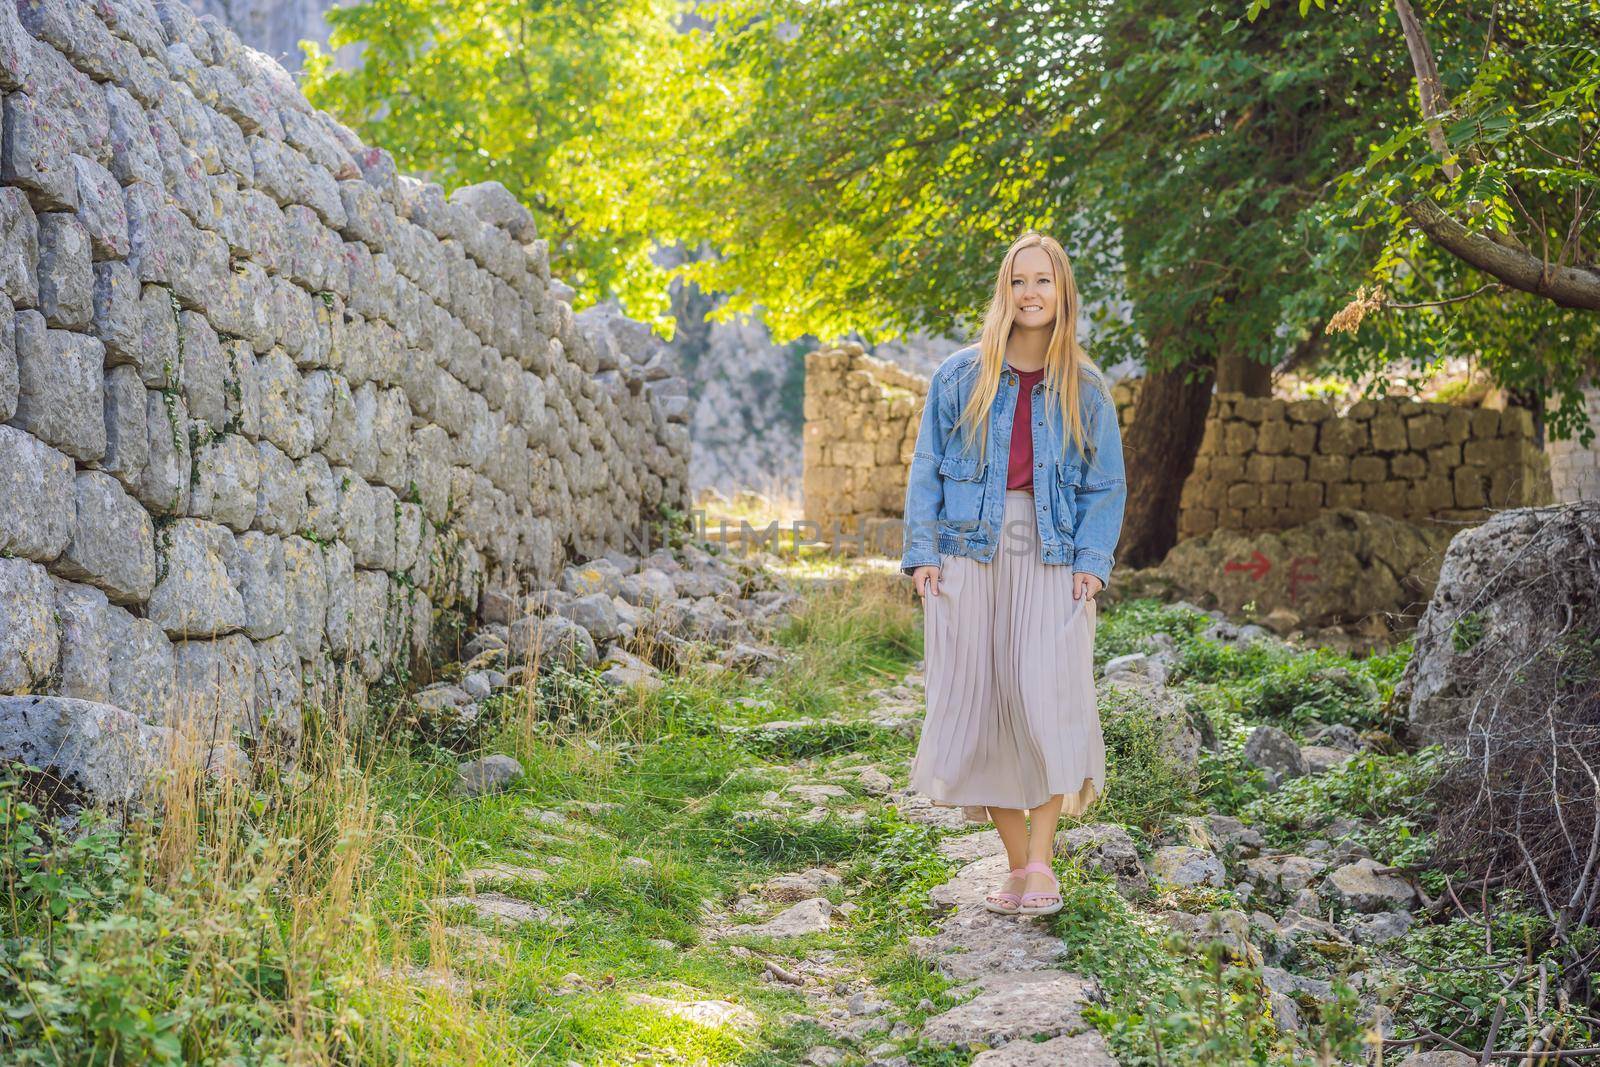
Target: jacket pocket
{"points": [[963, 481]]}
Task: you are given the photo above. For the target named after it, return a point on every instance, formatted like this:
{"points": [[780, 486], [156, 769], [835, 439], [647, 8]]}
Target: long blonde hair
{"points": [[1064, 357]]}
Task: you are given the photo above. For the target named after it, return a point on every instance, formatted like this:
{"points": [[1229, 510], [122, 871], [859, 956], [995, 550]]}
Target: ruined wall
{"points": [[1264, 464], [267, 404], [1268, 464], [861, 425], [1574, 469]]}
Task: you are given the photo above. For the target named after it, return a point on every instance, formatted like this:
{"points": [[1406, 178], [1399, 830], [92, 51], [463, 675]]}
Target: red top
{"points": [[1019, 473]]}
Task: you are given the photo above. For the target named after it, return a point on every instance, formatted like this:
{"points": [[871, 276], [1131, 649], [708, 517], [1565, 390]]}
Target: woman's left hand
{"points": [[1085, 584]]}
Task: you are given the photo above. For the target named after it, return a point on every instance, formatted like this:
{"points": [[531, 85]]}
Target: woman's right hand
{"points": [[926, 579]]}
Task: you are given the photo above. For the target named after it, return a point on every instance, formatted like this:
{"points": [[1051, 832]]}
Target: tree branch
{"points": [[1574, 287]]}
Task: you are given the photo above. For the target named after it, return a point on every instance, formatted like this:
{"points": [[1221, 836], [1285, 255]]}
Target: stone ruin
{"points": [[267, 406]]}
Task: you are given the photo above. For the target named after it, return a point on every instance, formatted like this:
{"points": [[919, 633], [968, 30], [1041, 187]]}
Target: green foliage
{"points": [[894, 874], [1388, 793], [1127, 628], [1467, 631], [574, 107], [1145, 785], [819, 738]]}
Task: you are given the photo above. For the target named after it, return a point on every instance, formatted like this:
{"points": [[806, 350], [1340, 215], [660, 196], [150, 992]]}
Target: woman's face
{"points": [[1033, 288]]}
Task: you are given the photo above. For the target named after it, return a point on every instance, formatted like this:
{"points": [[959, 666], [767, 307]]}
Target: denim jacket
{"points": [[956, 505]]}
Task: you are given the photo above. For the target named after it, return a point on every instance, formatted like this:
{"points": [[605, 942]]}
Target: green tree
{"points": [[565, 102]]}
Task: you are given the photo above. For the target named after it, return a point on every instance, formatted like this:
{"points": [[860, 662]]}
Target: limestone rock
{"points": [[100, 750], [1183, 865], [1276, 753], [1107, 847], [1362, 886], [491, 774], [1013, 1007]]}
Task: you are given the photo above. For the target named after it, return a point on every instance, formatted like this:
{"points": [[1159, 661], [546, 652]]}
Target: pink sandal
{"points": [[1004, 903], [1024, 908]]}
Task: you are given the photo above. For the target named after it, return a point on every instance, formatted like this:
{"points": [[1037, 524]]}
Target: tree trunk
{"points": [[1169, 418], [1237, 374]]}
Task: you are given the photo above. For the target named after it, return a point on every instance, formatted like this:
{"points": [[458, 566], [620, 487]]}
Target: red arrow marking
{"points": [[1258, 566]]}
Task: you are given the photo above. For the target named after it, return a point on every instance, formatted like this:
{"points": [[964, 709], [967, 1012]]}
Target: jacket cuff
{"points": [[1091, 562], [919, 558]]}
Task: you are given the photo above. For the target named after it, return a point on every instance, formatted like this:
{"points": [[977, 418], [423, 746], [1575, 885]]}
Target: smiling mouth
{"points": [[1033, 307]]}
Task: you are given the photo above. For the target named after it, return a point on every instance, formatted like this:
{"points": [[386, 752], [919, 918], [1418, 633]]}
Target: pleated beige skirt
{"points": [[1009, 667]]}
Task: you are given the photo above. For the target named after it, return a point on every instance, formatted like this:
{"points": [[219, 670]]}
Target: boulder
{"points": [[1015, 1007], [97, 750], [1276, 753], [1106, 847], [491, 774], [1503, 590], [1343, 566], [1136, 694], [1185, 865], [547, 638], [1363, 886]]}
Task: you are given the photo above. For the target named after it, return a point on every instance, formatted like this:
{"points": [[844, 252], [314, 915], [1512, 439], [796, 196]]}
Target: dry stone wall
{"points": [[1575, 468], [862, 416], [267, 405], [1268, 464], [1264, 464]]}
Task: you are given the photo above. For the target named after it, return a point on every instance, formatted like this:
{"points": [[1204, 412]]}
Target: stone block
{"points": [[141, 665], [1343, 437], [226, 481], [258, 570], [164, 484], [19, 248], [214, 686], [202, 370], [113, 540], [280, 493], [127, 427], [195, 594], [98, 751], [305, 595], [36, 483], [36, 152], [30, 640], [100, 209], [66, 271], [60, 387], [85, 663]]}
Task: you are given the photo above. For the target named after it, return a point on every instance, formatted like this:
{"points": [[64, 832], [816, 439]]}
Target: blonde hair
{"points": [[1064, 356]]}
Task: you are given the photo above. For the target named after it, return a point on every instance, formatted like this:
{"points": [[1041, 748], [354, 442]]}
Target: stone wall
{"points": [[1264, 464], [1268, 464], [1574, 469], [265, 404], [862, 416]]}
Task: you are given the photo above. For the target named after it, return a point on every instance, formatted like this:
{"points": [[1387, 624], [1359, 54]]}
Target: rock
{"points": [[596, 576], [1276, 753], [1340, 736], [1130, 694], [874, 782], [1183, 865], [98, 750], [805, 885], [1106, 847], [824, 1056], [812, 793], [1229, 926], [713, 1013], [1365, 564], [594, 613], [750, 659], [1379, 927], [551, 638], [1281, 621], [1362, 886], [504, 872], [1320, 759], [491, 774], [1233, 836], [914, 807], [806, 917], [1297, 929], [964, 848], [500, 910], [1504, 588], [1014, 1007], [1280, 878], [1087, 1049], [1439, 1058], [625, 670]]}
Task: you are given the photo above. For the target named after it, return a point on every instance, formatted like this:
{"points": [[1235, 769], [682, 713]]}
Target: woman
{"points": [[1014, 506]]}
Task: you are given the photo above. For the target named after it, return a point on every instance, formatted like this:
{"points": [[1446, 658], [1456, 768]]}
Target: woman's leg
{"points": [[1042, 841], [1013, 827]]}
